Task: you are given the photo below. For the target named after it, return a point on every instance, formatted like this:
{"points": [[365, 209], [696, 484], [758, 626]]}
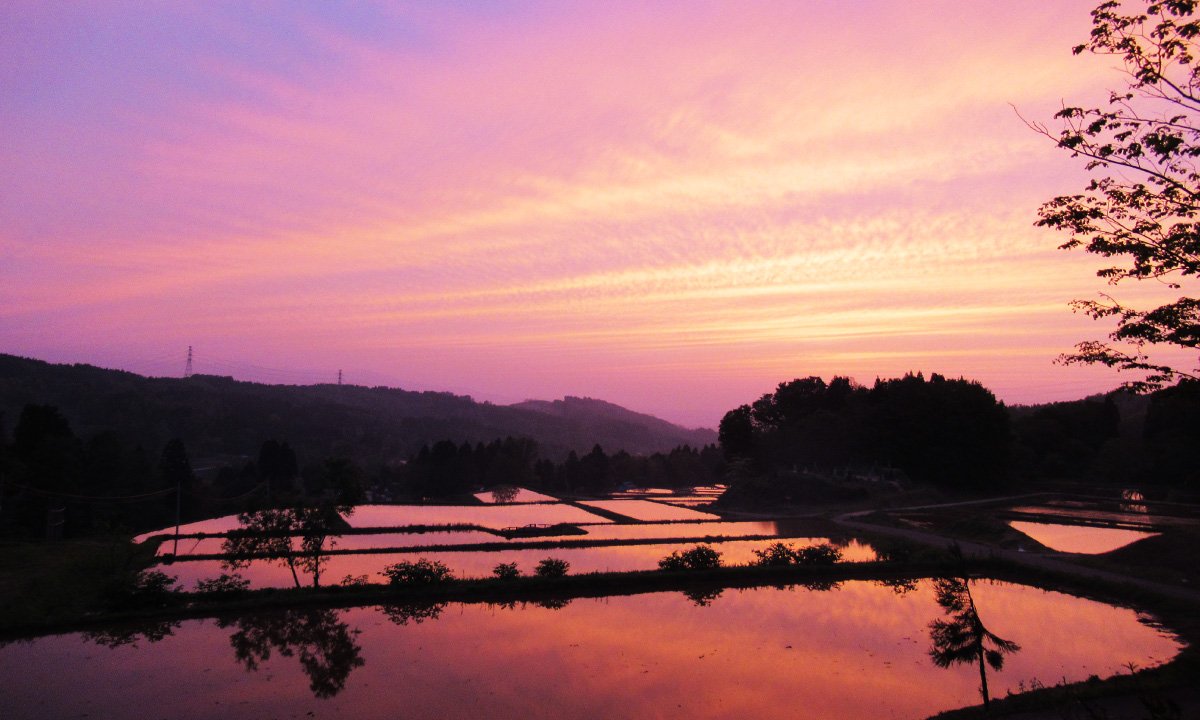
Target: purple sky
{"points": [[671, 206]]}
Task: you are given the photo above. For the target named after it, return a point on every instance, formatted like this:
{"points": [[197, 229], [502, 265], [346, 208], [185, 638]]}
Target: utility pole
{"points": [[179, 489]]}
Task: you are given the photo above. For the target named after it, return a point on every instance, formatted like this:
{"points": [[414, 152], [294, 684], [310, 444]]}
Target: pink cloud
{"points": [[611, 200]]}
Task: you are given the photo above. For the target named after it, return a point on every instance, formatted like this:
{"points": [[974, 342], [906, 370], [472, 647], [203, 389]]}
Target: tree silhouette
{"points": [[299, 534], [963, 639], [415, 612], [1143, 213], [151, 631]]}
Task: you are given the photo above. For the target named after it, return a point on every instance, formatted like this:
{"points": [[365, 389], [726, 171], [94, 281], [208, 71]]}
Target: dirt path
{"points": [[1047, 561]]}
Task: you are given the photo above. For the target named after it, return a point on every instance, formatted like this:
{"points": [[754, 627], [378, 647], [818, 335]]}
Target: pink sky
{"points": [[670, 206]]}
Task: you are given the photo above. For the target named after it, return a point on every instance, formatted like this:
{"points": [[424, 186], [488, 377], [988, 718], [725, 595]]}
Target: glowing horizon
{"points": [[671, 207]]}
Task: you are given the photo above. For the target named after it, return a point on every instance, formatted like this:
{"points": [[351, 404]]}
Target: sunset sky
{"points": [[672, 206]]}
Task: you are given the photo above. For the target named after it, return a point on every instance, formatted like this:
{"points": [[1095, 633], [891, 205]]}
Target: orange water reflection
{"points": [[1079, 538], [521, 495], [602, 531], [649, 510], [858, 651], [681, 530], [611, 558], [496, 517], [215, 545]]}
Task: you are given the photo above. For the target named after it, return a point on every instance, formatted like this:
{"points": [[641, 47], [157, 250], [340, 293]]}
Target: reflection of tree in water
{"points": [[414, 612], [817, 585], [122, 635], [963, 638], [502, 494], [703, 598], [326, 646], [900, 586], [553, 603]]}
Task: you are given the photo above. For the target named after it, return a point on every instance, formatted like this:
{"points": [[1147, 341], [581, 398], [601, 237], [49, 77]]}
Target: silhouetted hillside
{"points": [[625, 426], [223, 416]]}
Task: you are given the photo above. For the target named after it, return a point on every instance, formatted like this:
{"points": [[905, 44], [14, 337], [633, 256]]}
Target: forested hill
{"points": [[222, 416], [614, 419]]}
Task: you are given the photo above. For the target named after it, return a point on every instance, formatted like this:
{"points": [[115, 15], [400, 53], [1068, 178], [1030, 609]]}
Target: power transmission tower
{"points": [[187, 370], [339, 377]]}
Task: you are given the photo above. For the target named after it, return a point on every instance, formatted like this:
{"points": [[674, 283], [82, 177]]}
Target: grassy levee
{"points": [[48, 584], [491, 590], [491, 547], [532, 588]]}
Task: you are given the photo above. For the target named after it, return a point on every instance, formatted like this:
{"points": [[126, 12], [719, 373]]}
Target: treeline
{"points": [[940, 431], [1118, 438], [54, 483], [220, 416], [954, 434], [446, 469]]}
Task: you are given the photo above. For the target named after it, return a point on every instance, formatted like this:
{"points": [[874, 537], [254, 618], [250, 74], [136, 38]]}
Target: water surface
{"points": [[858, 651], [365, 541], [481, 563], [496, 517], [1084, 539], [649, 510], [681, 530], [521, 496]]}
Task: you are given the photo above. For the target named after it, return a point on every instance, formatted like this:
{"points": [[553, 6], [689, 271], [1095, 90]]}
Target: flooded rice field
{"points": [[686, 497], [1131, 510], [496, 517], [858, 649], [684, 529], [649, 510], [1083, 539], [517, 495], [480, 564]]}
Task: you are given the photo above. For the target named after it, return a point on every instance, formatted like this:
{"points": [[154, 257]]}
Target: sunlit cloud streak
{"points": [[537, 199]]}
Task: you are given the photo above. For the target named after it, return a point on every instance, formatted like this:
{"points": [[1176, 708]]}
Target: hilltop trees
{"points": [[947, 432], [1172, 426], [446, 469], [1141, 209]]}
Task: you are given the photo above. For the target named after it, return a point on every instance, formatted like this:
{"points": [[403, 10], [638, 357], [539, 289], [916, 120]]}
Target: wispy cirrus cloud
{"points": [[545, 198]]}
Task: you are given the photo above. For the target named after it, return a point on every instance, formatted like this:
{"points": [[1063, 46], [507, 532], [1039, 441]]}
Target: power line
{"points": [[93, 498], [161, 366], [244, 495], [132, 498]]}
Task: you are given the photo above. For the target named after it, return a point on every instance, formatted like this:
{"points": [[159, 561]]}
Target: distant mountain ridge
{"points": [[222, 416], [581, 409]]}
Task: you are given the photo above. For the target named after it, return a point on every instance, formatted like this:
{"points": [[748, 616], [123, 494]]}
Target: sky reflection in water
{"points": [[480, 564], [496, 517], [649, 510], [603, 531], [858, 651], [1079, 538]]}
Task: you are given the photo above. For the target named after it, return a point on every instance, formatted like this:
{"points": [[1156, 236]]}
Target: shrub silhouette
{"points": [[777, 554], [781, 554], [552, 567], [226, 585], [421, 572], [823, 554], [701, 557], [507, 571]]}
